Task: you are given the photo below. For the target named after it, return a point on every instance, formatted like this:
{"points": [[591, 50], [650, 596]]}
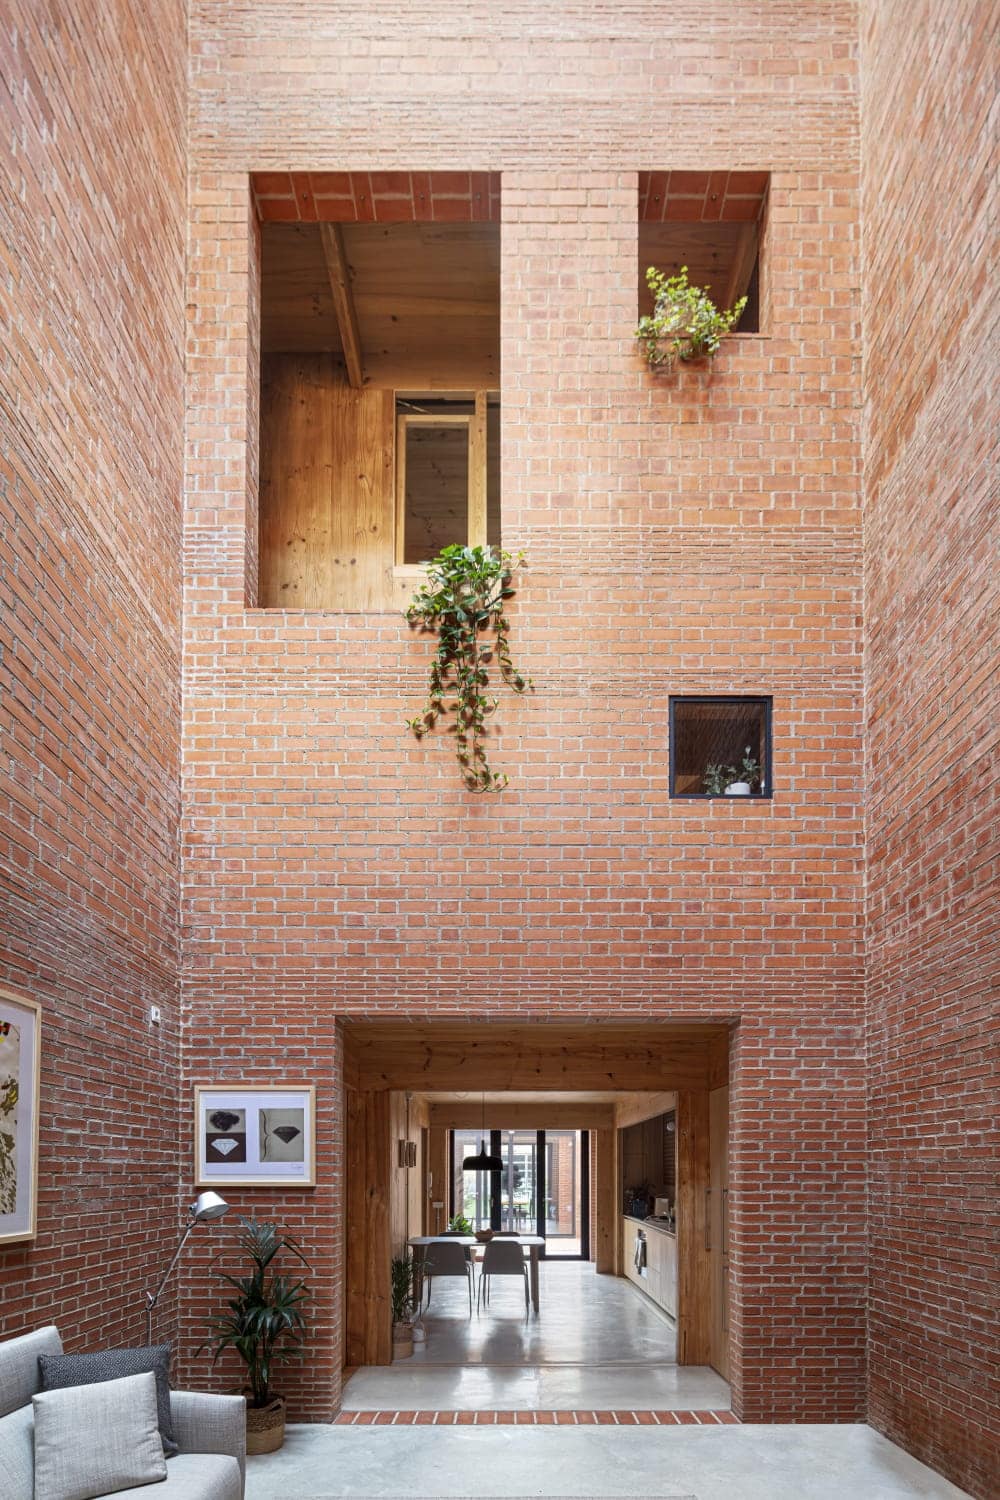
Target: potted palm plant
{"points": [[403, 1306], [264, 1323]]}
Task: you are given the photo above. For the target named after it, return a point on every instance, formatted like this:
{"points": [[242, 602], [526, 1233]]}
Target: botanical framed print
{"points": [[255, 1137], [20, 1043]]}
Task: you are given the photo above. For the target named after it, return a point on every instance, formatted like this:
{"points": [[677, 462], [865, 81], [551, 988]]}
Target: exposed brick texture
{"points": [[92, 218], [689, 532], [685, 533], [932, 669]]}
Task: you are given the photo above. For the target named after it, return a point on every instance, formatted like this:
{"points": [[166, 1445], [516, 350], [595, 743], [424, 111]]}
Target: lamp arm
{"points": [[153, 1297]]}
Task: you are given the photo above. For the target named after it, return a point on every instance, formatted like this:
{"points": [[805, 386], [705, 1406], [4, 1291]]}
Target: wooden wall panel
{"points": [[520, 1116], [719, 1227], [606, 1207], [693, 1255], [326, 488], [367, 1247]]}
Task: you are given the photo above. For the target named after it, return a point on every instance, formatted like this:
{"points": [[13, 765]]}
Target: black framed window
{"points": [[720, 746]]}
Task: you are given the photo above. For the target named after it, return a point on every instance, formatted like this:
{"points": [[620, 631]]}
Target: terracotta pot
{"points": [[266, 1426]]}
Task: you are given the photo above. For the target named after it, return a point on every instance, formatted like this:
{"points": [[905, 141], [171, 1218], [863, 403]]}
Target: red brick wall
{"points": [[685, 533], [92, 214], [931, 666]]}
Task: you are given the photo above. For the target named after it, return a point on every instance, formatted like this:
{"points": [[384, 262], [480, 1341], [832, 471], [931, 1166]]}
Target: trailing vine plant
{"points": [[685, 323], [463, 604]]}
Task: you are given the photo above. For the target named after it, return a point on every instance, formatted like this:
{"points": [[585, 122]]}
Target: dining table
{"points": [[533, 1243]]}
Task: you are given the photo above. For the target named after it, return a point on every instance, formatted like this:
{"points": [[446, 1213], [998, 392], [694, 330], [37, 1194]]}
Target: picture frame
{"points": [[255, 1135], [20, 1059]]}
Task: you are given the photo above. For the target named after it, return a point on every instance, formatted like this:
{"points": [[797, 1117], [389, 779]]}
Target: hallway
{"points": [[596, 1343]]}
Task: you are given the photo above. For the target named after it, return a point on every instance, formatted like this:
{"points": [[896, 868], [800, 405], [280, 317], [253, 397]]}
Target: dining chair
{"points": [[503, 1257], [444, 1259]]}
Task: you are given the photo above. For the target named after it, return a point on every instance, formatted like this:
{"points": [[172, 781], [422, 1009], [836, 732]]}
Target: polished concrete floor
{"points": [[596, 1343], [697, 1463]]}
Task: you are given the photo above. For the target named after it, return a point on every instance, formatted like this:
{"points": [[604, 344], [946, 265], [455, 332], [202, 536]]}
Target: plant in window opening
{"points": [[685, 323], [733, 781], [463, 604]]}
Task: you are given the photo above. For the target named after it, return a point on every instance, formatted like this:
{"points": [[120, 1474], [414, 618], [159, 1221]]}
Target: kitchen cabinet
{"points": [[660, 1280]]}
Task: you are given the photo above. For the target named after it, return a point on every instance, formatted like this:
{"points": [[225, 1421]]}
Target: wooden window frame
{"points": [[475, 422]]}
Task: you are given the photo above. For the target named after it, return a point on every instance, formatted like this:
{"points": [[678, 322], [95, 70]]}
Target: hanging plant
{"points": [[462, 603], [685, 323]]}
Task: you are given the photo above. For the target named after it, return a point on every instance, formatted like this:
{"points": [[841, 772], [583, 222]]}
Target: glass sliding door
{"points": [[518, 1206], [543, 1187], [566, 1195], [471, 1192]]}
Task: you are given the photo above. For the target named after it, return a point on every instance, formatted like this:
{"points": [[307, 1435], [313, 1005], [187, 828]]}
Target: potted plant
{"points": [[733, 781], [685, 323], [463, 604], [265, 1325], [403, 1306], [458, 1224]]}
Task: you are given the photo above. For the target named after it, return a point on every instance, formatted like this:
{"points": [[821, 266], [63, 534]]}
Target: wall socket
{"points": [[154, 1014]]}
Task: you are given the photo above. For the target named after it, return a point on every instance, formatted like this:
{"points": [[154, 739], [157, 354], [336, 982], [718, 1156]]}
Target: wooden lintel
{"points": [[524, 1058], [521, 1116], [632, 1109], [343, 301]]}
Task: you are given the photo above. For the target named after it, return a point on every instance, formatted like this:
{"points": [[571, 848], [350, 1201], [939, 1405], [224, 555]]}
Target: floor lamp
{"points": [[206, 1206]]}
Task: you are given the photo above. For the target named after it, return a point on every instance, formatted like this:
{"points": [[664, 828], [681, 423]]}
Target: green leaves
{"points": [[264, 1323], [463, 600], [685, 323]]}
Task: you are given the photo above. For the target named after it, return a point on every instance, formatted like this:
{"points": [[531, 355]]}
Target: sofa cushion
{"points": [[17, 1455], [93, 1440], [61, 1370], [19, 1366], [194, 1476]]}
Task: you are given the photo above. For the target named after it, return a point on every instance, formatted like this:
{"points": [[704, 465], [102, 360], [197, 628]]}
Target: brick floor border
{"points": [[534, 1418]]}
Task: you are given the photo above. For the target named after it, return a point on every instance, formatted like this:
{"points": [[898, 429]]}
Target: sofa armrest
{"points": [[205, 1423]]}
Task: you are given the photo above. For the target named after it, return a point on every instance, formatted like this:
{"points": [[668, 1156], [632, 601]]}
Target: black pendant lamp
{"points": [[483, 1161]]}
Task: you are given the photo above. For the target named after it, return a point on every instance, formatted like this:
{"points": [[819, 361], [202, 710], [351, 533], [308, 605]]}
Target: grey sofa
{"points": [[210, 1430]]}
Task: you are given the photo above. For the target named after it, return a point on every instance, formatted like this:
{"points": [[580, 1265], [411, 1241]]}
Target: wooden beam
{"points": [[469, 1116], [606, 1207], [694, 1322], [477, 473], [523, 1058], [343, 301], [743, 264], [633, 1108]]}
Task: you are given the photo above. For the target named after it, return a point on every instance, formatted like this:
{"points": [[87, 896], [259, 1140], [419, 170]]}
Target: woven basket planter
{"points": [[266, 1426]]}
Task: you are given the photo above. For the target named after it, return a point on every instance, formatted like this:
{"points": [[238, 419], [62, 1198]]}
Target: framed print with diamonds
{"points": [[255, 1137]]}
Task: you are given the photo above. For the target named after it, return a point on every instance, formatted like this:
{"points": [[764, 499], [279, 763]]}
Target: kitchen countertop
{"points": [[653, 1224]]}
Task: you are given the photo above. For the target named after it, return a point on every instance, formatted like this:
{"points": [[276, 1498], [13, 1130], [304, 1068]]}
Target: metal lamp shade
{"points": [[483, 1162], [208, 1206]]}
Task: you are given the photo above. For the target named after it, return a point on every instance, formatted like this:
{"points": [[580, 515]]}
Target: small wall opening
{"points": [[715, 224]]}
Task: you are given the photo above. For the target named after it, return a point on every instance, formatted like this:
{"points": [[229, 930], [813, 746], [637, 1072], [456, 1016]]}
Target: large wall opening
{"points": [[647, 1270], [380, 375]]}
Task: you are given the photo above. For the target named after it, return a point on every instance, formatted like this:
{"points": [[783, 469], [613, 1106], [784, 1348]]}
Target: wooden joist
{"points": [[343, 301]]}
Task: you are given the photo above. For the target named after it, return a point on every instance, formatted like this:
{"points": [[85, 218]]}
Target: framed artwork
{"points": [[255, 1137], [20, 1043]]}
